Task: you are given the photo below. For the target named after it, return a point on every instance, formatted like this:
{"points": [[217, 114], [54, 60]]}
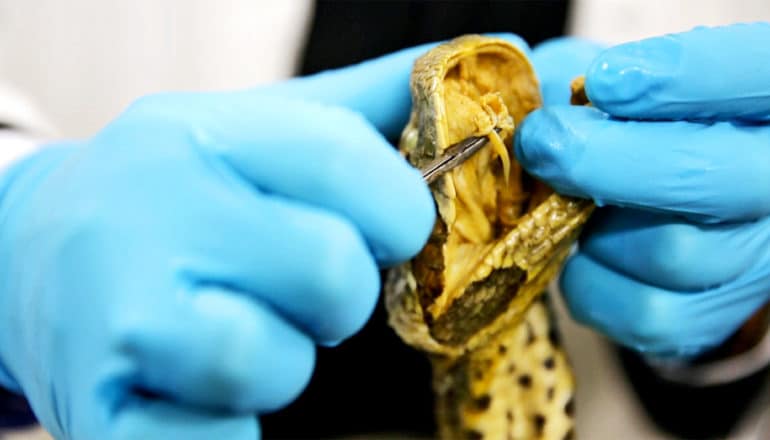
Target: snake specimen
{"points": [[472, 298]]}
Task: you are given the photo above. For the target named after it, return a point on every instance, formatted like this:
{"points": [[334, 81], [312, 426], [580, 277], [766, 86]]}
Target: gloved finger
{"points": [[328, 157], [706, 73], [377, 88], [221, 351], [654, 320], [339, 162], [705, 172], [560, 60], [671, 253], [311, 265], [151, 419]]}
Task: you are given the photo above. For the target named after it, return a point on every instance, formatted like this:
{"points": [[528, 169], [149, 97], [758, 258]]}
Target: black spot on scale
{"points": [[511, 368], [569, 408], [509, 416], [553, 336], [502, 349], [549, 363], [473, 435], [550, 393], [539, 421], [570, 435], [525, 380], [530, 334], [482, 403]]}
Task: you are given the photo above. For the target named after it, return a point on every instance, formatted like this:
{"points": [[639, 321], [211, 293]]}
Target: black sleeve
{"points": [[346, 32], [14, 411]]}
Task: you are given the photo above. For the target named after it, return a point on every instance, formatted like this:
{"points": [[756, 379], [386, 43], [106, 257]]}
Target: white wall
{"points": [[82, 61], [618, 21]]}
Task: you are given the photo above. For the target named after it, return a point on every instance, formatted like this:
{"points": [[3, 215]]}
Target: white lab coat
{"points": [[82, 61]]}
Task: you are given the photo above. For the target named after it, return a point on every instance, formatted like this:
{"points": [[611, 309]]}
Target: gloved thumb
{"points": [[560, 60], [715, 73], [377, 88]]}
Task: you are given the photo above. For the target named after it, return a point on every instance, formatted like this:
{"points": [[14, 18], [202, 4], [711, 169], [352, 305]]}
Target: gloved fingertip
{"points": [[547, 147], [377, 88], [332, 343], [558, 61], [419, 213], [424, 209], [533, 146], [621, 79], [572, 287], [348, 283]]}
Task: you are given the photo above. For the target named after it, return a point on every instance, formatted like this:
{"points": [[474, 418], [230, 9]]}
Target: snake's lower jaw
{"points": [[472, 298]]}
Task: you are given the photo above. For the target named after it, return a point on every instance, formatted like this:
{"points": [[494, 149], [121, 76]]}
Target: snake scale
{"points": [[471, 299]]}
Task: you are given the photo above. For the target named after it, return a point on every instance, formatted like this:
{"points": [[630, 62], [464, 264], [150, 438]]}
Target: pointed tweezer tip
{"points": [[453, 157]]}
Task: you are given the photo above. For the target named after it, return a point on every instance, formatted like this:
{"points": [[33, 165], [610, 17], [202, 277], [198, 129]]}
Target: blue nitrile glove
{"points": [[170, 277], [558, 61], [681, 256]]}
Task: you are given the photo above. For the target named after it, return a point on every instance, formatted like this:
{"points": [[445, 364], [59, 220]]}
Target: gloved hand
{"points": [[558, 61], [678, 149], [169, 277]]}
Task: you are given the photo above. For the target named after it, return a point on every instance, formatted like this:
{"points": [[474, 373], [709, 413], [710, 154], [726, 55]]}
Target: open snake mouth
{"points": [[467, 284]]}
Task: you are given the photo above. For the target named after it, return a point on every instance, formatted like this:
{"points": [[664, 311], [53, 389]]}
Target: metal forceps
{"points": [[453, 157]]}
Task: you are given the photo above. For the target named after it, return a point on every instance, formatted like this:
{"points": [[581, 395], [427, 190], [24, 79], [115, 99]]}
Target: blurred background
{"points": [[82, 61]]}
